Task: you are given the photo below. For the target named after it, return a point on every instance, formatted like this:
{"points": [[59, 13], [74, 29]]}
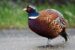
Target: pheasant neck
{"points": [[33, 15]]}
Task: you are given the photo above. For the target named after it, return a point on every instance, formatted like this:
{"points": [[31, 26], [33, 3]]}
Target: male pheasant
{"points": [[48, 23]]}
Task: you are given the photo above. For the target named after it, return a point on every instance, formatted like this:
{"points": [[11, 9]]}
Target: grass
{"points": [[12, 16]]}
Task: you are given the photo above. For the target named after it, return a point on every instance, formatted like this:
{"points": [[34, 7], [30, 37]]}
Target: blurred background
{"points": [[13, 16]]}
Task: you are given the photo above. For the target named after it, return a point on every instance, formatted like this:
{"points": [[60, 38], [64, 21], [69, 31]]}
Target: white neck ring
{"points": [[33, 17]]}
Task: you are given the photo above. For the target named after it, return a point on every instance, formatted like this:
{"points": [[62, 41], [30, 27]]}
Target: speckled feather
{"points": [[49, 23]]}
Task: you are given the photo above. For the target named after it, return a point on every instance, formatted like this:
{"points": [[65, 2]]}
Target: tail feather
{"points": [[64, 34]]}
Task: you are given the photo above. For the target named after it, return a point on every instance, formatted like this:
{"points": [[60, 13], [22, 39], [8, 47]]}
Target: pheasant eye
{"points": [[29, 9]]}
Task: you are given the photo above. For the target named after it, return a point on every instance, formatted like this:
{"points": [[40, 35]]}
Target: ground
{"points": [[24, 39]]}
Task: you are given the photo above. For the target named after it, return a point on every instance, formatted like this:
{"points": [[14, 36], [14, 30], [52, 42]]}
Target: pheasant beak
{"points": [[24, 9]]}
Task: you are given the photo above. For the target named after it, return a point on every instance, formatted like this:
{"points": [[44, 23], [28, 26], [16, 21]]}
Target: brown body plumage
{"points": [[45, 25]]}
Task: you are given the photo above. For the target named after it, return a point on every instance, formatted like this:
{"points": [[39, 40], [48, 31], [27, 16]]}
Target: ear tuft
{"points": [[32, 6]]}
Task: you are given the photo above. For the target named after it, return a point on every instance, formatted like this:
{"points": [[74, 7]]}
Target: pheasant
{"points": [[48, 23]]}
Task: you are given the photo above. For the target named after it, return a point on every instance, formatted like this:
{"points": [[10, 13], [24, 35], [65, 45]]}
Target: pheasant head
{"points": [[32, 12]]}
